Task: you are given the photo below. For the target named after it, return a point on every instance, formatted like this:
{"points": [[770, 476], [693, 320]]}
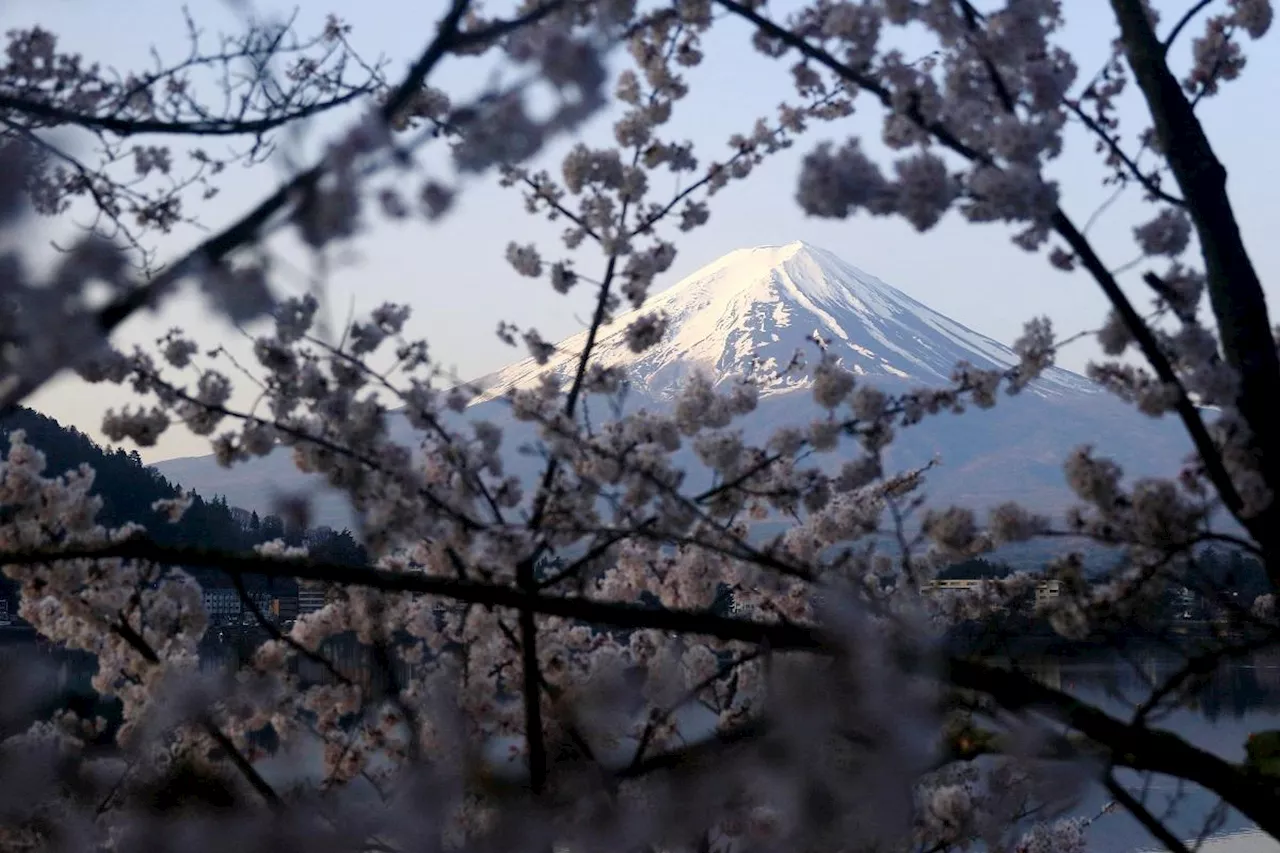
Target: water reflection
{"points": [[1247, 687], [1234, 701], [1237, 699]]}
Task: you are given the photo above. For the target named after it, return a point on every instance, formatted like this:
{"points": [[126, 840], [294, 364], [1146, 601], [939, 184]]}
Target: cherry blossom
{"points": [[540, 641]]}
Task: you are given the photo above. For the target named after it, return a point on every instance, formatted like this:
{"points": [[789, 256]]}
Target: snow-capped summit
{"points": [[753, 308]]}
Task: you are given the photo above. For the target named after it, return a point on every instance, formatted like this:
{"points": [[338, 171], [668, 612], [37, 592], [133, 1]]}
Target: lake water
{"points": [[1239, 699]]}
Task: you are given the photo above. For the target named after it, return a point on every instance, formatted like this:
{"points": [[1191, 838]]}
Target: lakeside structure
{"points": [[1046, 590], [311, 597], [225, 606]]}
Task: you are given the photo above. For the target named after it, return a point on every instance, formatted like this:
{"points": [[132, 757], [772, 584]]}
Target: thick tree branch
{"points": [[1235, 292], [1066, 229], [525, 574], [1126, 744], [1155, 356], [1135, 747], [618, 614]]}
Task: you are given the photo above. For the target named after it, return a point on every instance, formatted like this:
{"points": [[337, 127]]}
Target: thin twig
{"points": [[1182, 22], [1144, 816]]}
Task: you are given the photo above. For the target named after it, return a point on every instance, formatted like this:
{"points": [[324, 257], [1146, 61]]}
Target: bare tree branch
{"points": [[212, 252], [125, 127]]}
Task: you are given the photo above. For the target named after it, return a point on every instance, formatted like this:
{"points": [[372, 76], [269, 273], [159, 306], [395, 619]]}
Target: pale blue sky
{"points": [[453, 273]]}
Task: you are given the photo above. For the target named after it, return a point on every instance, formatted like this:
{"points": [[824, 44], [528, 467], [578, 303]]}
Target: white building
{"points": [[953, 584], [311, 597], [1046, 590], [222, 604], [265, 606]]}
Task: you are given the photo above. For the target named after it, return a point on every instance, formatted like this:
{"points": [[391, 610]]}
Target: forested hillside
{"points": [[129, 488]]}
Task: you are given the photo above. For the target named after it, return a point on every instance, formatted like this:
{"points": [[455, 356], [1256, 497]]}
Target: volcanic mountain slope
{"points": [[753, 308], [749, 312]]}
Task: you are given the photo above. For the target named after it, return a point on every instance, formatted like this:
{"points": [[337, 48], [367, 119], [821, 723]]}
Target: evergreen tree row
{"points": [[129, 488]]}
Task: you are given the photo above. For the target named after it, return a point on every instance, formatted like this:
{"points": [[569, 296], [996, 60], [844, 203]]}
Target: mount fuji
{"points": [[753, 308], [749, 312]]}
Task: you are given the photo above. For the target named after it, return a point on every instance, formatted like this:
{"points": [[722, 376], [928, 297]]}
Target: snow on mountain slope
{"points": [[753, 308]]}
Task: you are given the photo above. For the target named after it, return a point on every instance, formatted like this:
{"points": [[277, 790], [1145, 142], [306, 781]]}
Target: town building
{"points": [[222, 603], [312, 596], [1046, 590], [265, 606]]}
